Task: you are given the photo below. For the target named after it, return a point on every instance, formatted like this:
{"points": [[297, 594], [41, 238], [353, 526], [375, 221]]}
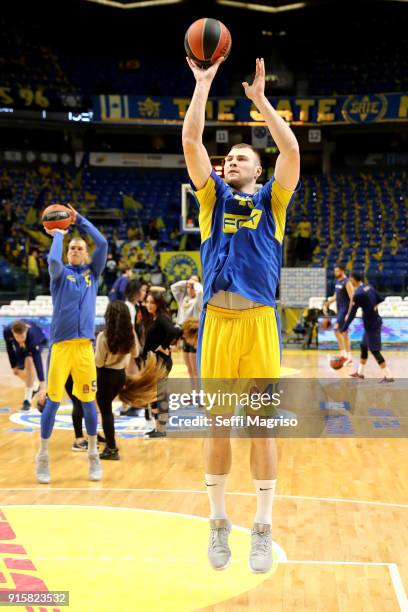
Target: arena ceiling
{"points": [[266, 6]]}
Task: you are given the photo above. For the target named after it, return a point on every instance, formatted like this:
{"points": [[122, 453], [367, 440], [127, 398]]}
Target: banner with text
{"points": [[360, 109], [36, 97], [136, 160]]}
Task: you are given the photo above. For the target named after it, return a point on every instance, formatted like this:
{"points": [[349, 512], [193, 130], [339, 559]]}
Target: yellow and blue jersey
{"points": [[74, 288], [241, 239]]}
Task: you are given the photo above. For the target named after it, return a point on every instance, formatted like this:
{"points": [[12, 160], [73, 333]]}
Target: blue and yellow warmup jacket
{"points": [[74, 288]]}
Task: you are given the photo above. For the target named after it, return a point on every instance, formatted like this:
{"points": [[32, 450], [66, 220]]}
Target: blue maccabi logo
{"points": [[364, 108], [180, 267], [123, 425]]}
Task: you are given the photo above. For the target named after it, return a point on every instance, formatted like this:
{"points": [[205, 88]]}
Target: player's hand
{"points": [[166, 351], [41, 396], [257, 89], [52, 232], [203, 75], [74, 213]]}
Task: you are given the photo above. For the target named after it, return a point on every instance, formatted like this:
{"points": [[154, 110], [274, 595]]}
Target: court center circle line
{"points": [[199, 492]]}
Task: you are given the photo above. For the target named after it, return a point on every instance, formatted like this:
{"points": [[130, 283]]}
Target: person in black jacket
{"points": [[160, 334]]}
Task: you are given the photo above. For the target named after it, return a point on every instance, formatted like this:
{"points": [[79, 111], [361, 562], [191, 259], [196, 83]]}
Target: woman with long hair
{"points": [[135, 295], [115, 346], [160, 334]]}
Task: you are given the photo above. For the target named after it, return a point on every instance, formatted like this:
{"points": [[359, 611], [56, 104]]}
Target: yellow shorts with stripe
{"points": [[240, 343], [75, 357], [240, 354]]}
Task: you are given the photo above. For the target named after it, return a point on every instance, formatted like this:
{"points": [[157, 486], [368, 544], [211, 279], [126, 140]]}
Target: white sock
{"points": [[265, 491], [44, 446], [361, 368], [343, 353], [387, 372], [349, 355], [92, 440], [29, 394], [215, 484]]}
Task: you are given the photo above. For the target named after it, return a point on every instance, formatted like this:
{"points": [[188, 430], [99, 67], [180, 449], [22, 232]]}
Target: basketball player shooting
{"points": [[241, 252], [74, 288]]}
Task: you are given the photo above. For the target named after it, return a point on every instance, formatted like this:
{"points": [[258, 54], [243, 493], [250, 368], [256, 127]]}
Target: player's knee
{"points": [[263, 443], [217, 444], [378, 357]]}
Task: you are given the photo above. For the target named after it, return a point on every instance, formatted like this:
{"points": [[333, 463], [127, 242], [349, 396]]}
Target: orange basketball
{"points": [[326, 324], [336, 363], [56, 216], [206, 40]]}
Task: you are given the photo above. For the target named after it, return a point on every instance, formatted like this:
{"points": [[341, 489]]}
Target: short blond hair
{"points": [[79, 239], [243, 145]]}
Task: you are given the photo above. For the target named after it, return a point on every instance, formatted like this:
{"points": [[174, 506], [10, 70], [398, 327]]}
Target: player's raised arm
{"points": [[287, 167], [197, 159], [101, 251], [55, 263]]}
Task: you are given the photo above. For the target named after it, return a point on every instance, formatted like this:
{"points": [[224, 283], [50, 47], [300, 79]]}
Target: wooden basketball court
{"points": [[137, 540]]}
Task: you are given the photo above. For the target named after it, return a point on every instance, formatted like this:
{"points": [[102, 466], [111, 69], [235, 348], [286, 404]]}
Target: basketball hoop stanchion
{"points": [[188, 199]]}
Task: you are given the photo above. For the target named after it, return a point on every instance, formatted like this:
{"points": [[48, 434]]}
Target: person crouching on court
{"points": [[160, 334], [115, 346], [74, 288], [24, 343]]}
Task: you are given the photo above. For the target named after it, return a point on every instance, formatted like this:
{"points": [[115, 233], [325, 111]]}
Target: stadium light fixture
{"points": [[262, 7], [133, 5]]}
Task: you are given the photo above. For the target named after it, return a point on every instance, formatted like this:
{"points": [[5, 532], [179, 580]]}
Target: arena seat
{"points": [[316, 302], [393, 299], [386, 310]]}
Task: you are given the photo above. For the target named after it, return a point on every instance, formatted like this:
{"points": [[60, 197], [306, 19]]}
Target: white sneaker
{"points": [[95, 468], [149, 425], [348, 362], [260, 559], [219, 552], [42, 470]]}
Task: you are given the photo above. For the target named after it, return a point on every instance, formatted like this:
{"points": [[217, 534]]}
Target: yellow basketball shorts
{"points": [[240, 343], [75, 357]]}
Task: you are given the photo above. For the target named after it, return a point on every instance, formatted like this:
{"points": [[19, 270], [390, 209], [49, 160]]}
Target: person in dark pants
{"points": [[135, 295], [367, 298], [80, 443], [114, 348], [160, 334]]}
